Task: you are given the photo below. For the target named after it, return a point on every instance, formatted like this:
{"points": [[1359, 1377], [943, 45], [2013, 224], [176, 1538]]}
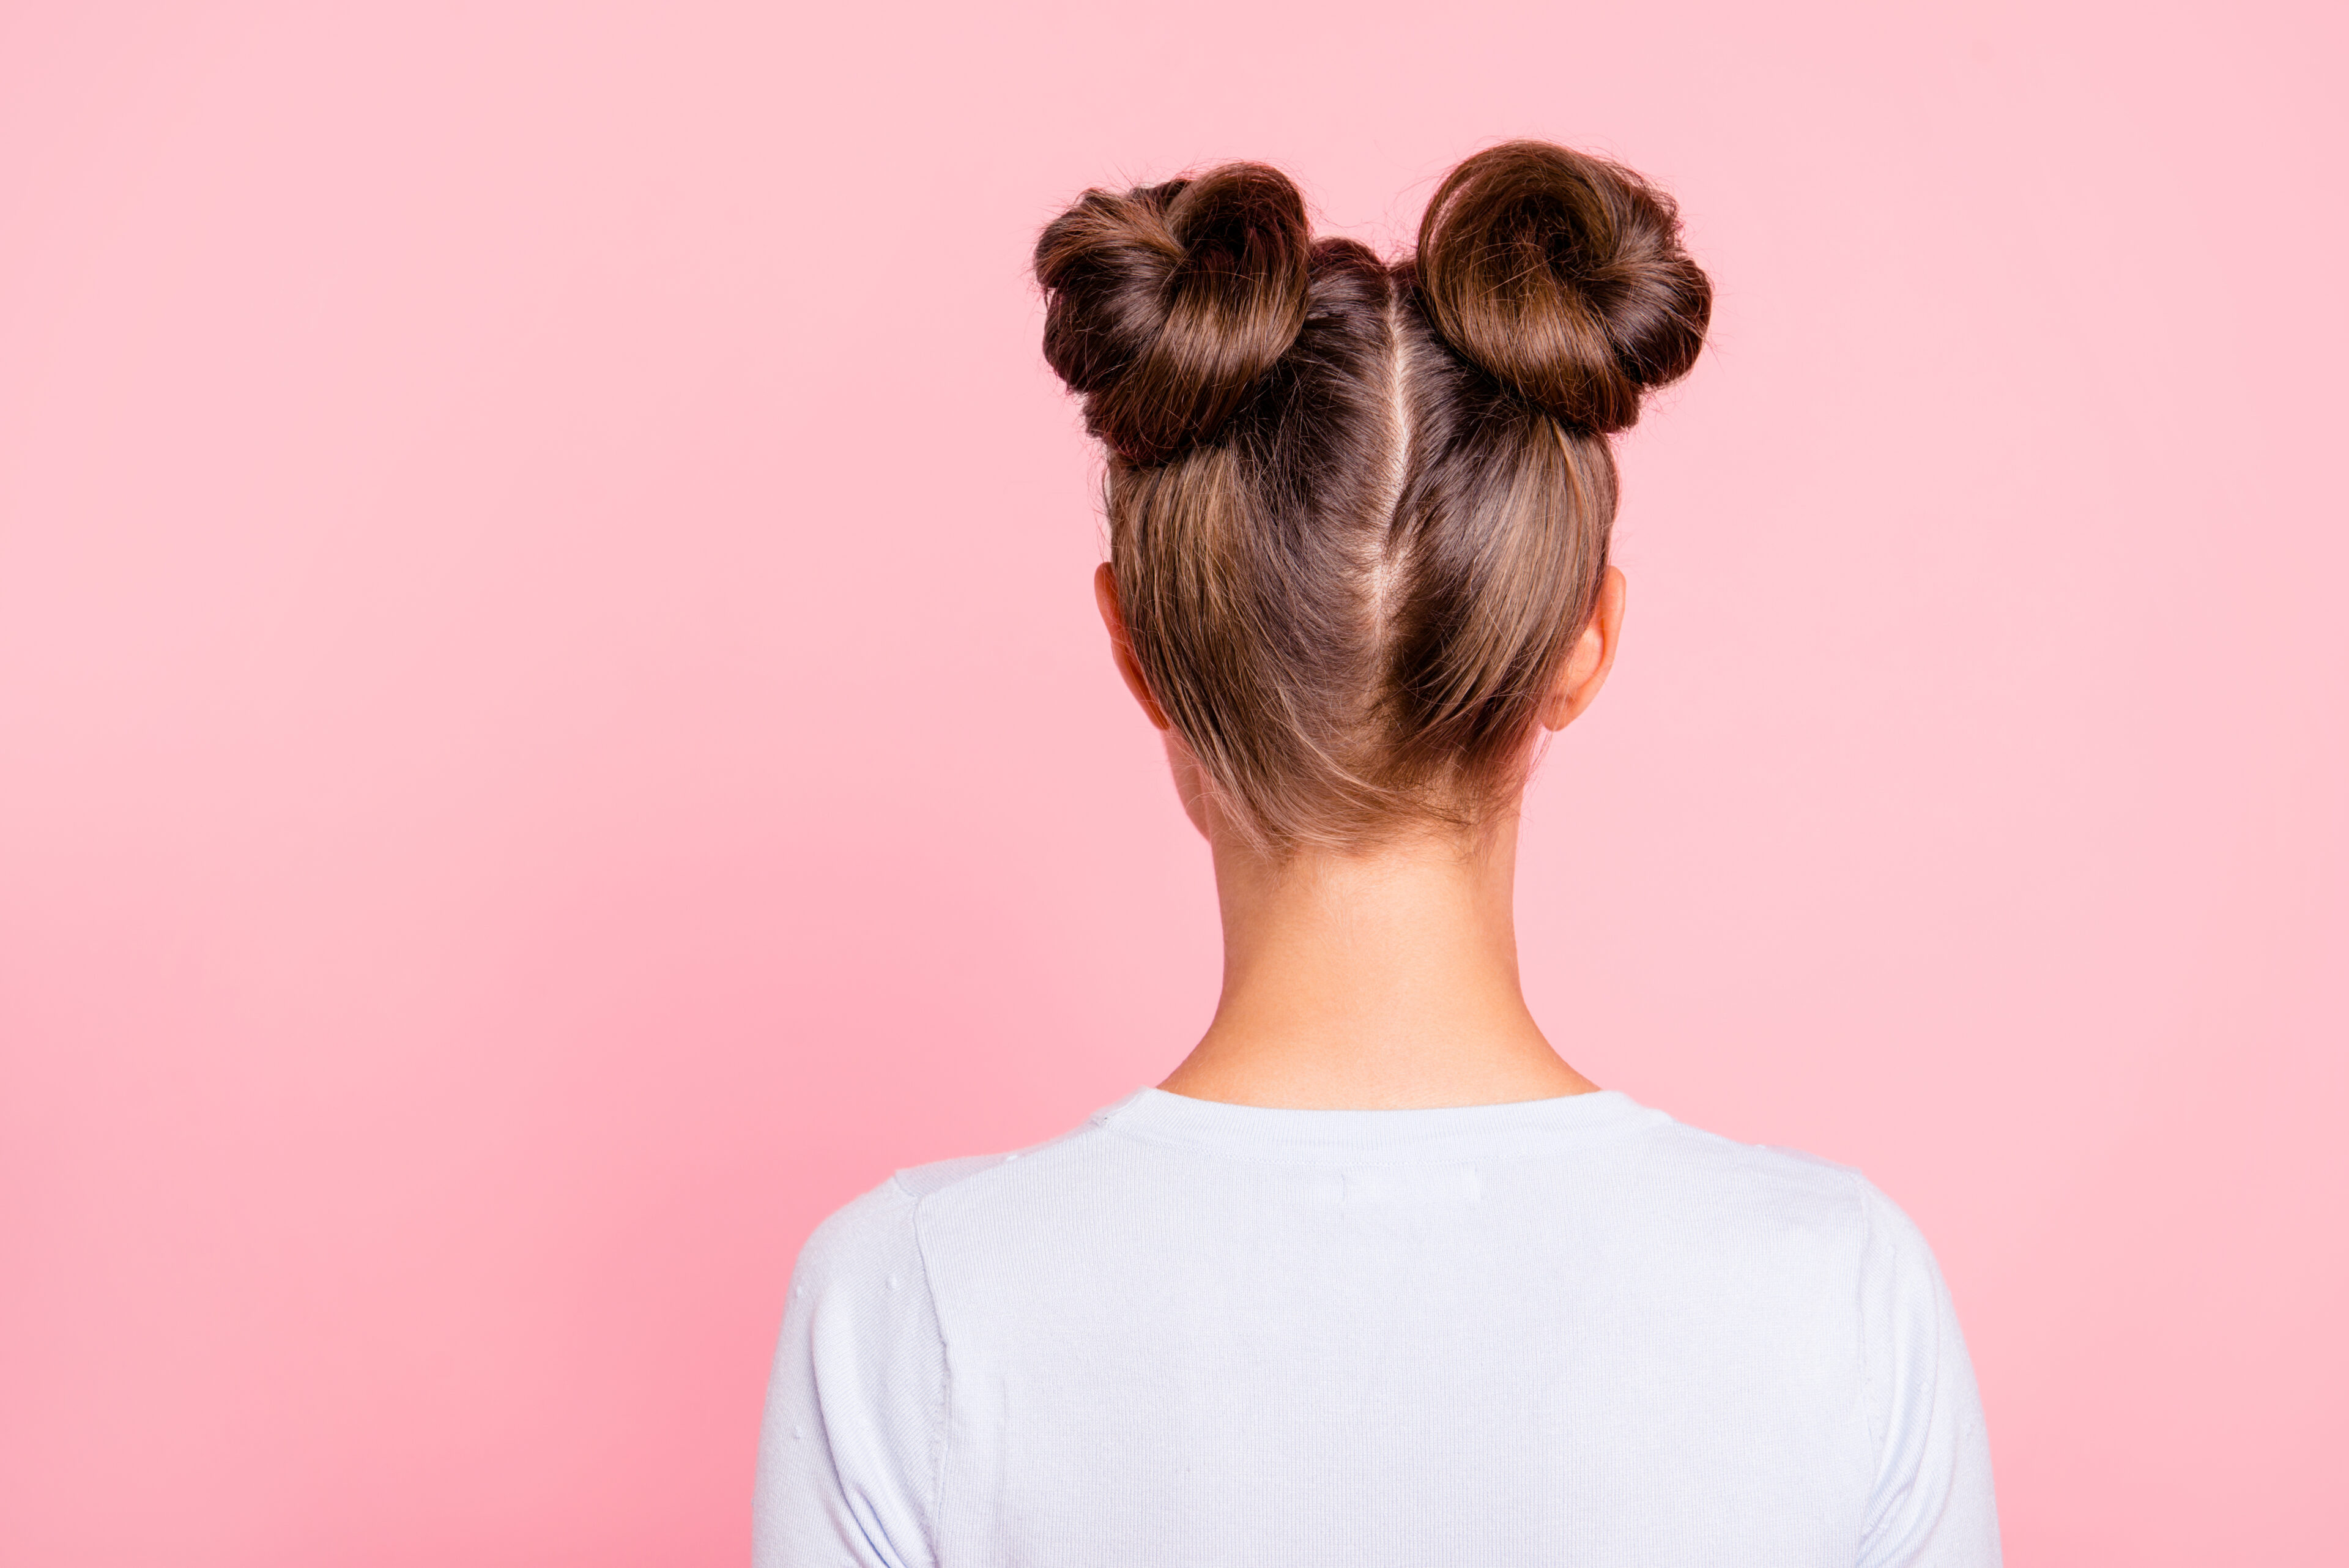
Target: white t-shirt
{"points": [[1561, 1332]]}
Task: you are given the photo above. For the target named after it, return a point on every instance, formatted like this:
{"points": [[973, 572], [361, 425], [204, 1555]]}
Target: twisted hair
{"points": [[1360, 511]]}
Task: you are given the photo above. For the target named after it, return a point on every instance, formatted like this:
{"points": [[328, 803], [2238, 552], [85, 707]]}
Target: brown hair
{"points": [[1358, 513]]}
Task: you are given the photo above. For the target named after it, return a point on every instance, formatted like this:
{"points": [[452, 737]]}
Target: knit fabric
{"points": [[1568, 1332]]}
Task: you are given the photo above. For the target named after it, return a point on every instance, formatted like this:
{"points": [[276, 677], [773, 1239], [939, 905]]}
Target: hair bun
{"points": [[1562, 276], [1167, 301]]}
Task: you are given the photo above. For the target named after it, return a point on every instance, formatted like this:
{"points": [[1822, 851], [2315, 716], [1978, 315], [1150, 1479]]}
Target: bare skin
{"points": [[1381, 981]]}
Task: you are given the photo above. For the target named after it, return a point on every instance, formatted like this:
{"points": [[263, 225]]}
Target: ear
{"points": [[1592, 656], [1120, 648]]}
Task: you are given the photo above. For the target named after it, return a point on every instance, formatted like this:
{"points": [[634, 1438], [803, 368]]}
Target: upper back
{"points": [[1569, 1329]]}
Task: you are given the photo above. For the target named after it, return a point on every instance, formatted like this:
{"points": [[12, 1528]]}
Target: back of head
{"points": [[1358, 511]]}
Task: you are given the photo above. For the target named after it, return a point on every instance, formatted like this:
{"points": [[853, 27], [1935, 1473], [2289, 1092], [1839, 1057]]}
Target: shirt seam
{"points": [[996, 1165], [1871, 1510], [944, 1429]]}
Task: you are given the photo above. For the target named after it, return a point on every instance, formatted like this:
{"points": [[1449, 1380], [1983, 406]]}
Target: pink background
{"points": [[552, 726]]}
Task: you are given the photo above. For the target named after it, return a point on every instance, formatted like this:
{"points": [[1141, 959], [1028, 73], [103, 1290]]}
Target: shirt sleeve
{"points": [[1931, 1505], [849, 1447]]}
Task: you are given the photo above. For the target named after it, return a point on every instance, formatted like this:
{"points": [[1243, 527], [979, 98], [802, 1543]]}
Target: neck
{"points": [[1380, 981]]}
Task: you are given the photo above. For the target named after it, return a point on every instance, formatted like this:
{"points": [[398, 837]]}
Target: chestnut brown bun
{"points": [[1359, 509], [1168, 302], [1562, 274]]}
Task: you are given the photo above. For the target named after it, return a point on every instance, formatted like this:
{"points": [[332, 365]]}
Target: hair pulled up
{"points": [[1360, 510], [1180, 295], [1563, 276]]}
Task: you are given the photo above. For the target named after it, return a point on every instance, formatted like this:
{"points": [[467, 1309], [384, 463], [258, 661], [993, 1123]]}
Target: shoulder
{"points": [[861, 1251], [1930, 1494], [1743, 1183], [887, 1225], [1771, 1216], [880, 1224], [1762, 1191]]}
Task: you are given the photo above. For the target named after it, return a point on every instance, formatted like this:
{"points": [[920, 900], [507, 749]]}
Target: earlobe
{"points": [[1121, 648]]}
